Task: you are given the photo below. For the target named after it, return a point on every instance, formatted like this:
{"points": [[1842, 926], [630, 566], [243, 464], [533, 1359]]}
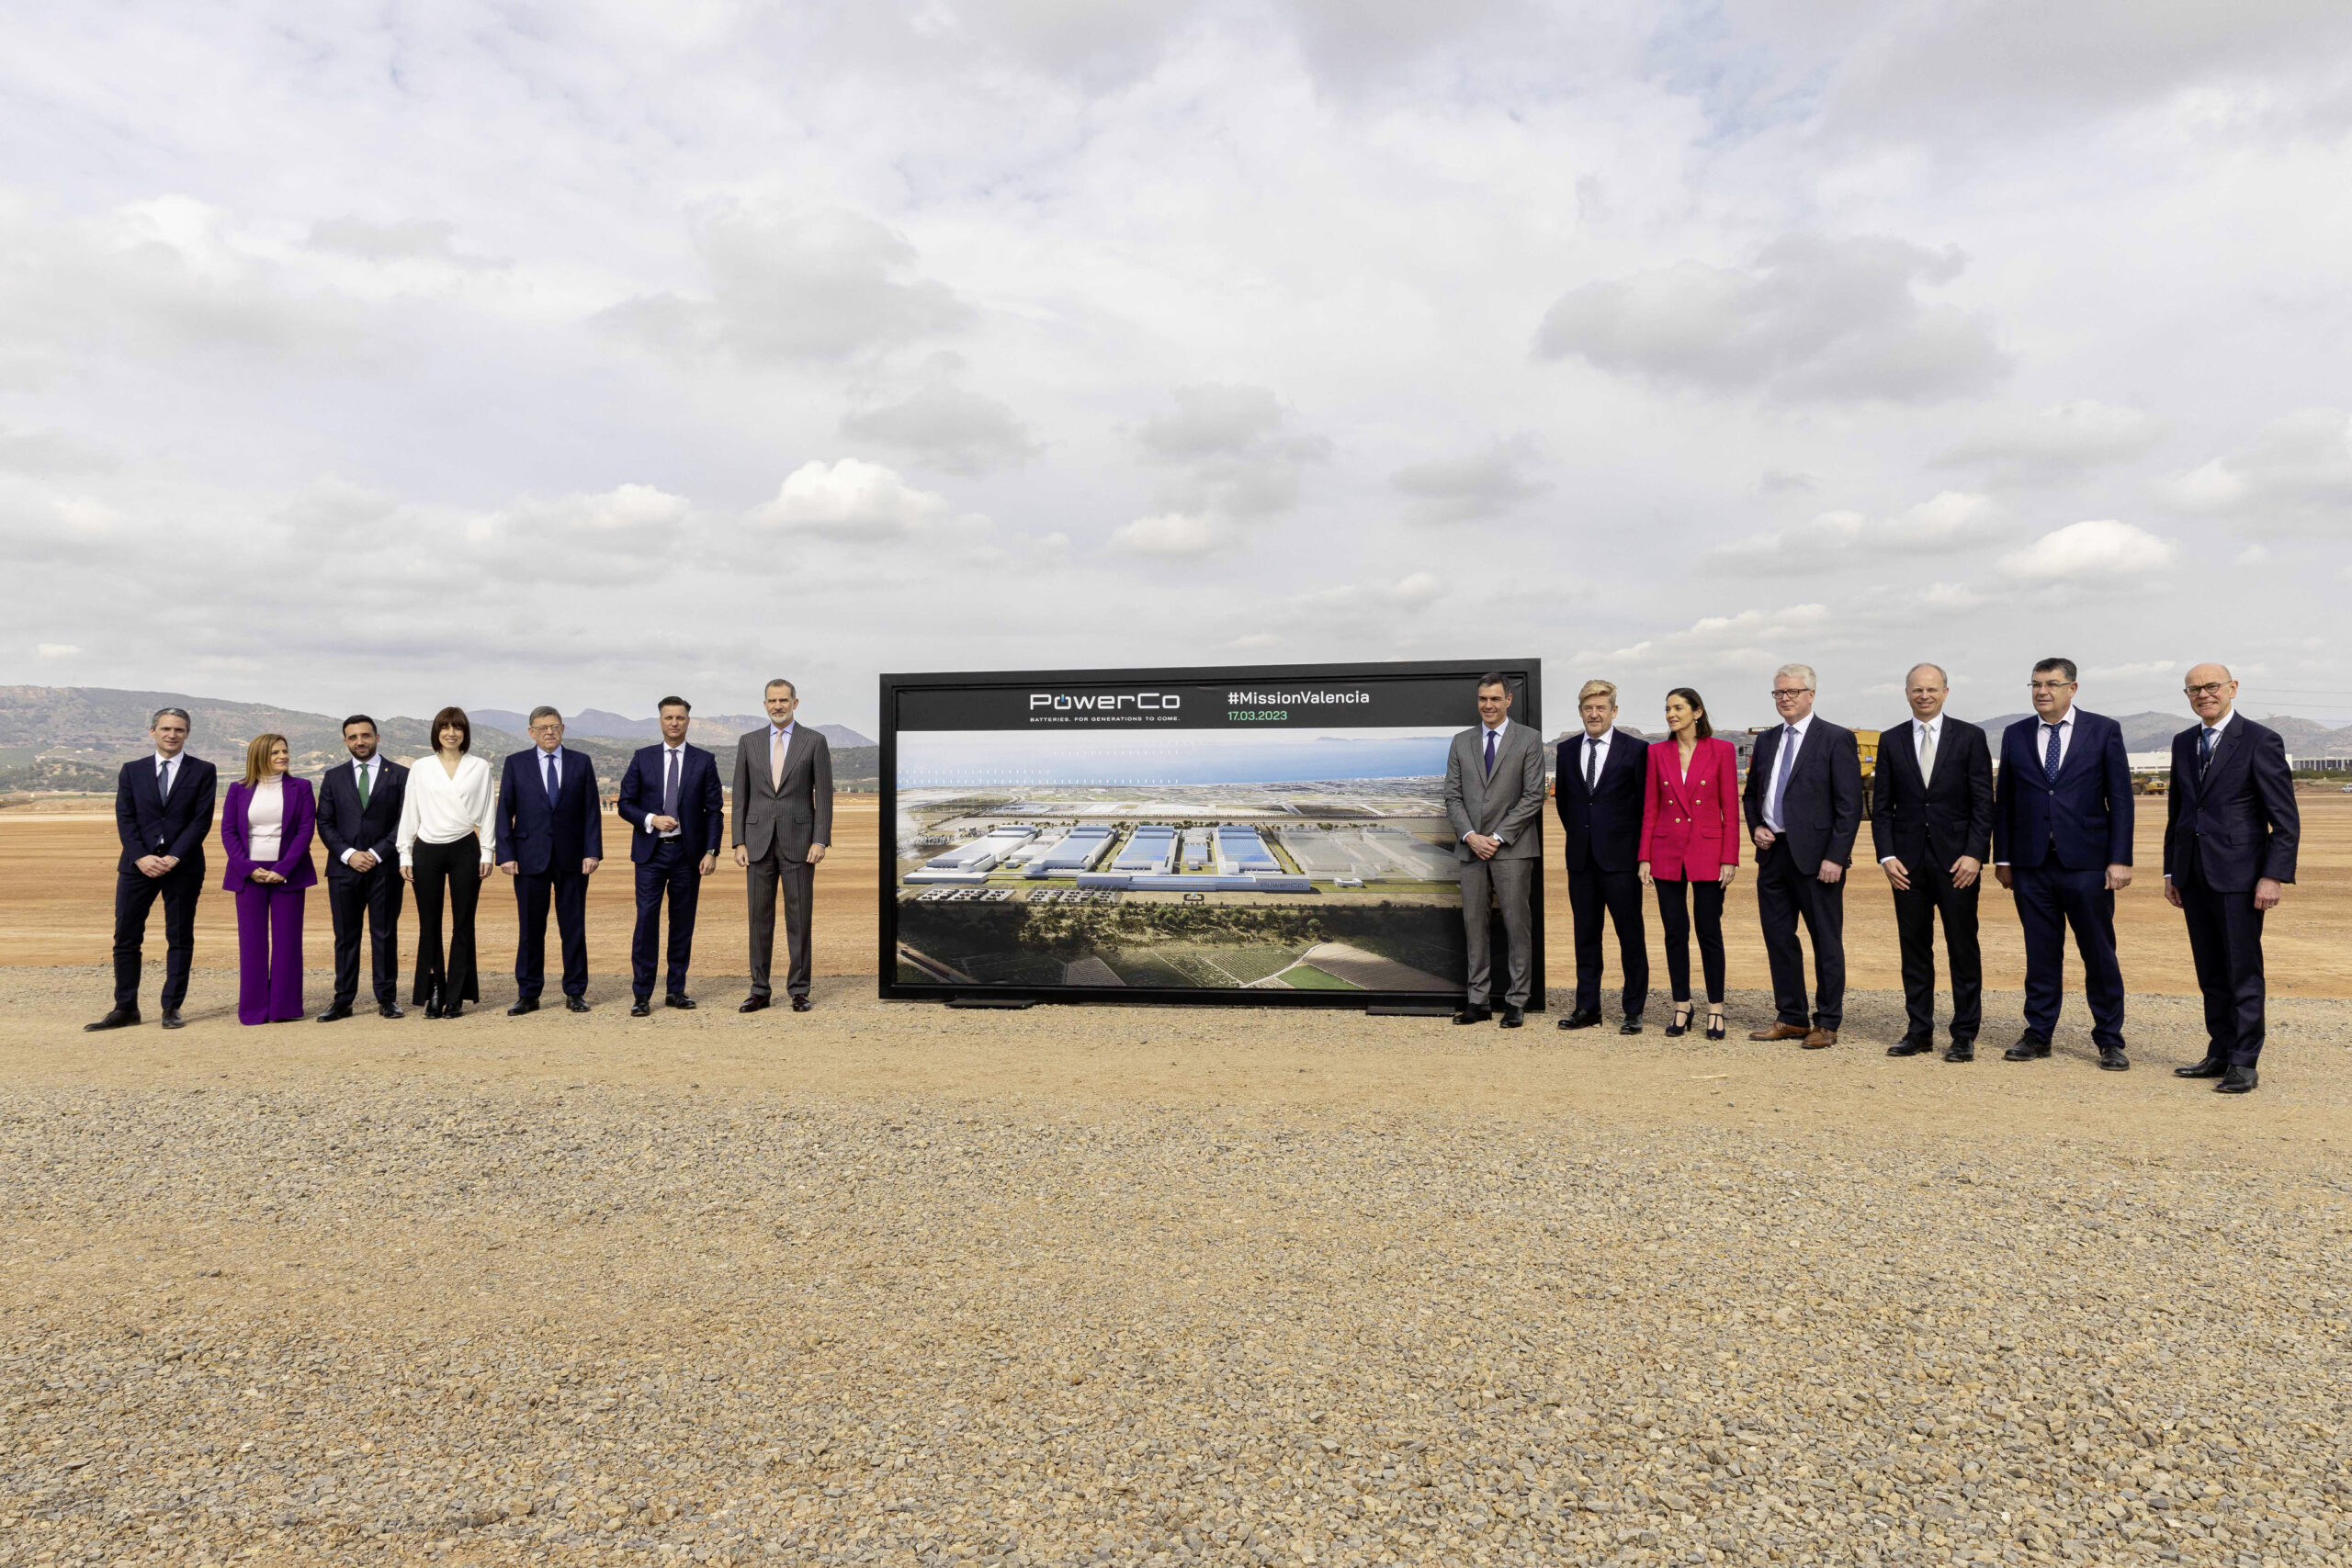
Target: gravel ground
{"points": [[892, 1285]]}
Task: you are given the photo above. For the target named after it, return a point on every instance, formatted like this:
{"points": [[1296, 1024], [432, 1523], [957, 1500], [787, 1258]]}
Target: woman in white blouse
{"points": [[446, 838], [266, 828]]}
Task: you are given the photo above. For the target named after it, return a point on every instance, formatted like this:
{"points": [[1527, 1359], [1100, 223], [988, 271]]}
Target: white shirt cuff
{"points": [[346, 856], [1888, 860]]}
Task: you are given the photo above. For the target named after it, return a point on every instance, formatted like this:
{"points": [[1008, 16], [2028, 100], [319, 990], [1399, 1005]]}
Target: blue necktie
{"points": [[2204, 753], [2049, 755], [548, 771], [1490, 754], [1781, 774], [670, 787]]}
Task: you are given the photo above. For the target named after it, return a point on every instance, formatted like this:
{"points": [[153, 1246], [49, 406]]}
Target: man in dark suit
{"points": [[1931, 822], [1598, 793], [784, 822], [359, 819], [671, 796], [2231, 832], [2061, 843], [1803, 806], [550, 840], [163, 809]]}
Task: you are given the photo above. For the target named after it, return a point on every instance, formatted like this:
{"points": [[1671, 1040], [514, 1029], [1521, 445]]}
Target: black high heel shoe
{"points": [[1714, 1023], [454, 1009], [433, 1002], [1681, 1022]]}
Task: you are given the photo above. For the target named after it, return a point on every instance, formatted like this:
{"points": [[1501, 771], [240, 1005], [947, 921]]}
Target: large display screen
{"points": [[1263, 836]]}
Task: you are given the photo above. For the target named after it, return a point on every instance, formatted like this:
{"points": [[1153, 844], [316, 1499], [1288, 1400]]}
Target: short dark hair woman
{"points": [[446, 849], [1690, 847]]}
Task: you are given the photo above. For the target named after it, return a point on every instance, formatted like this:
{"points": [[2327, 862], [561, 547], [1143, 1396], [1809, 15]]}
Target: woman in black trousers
{"points": [[446, 837]]}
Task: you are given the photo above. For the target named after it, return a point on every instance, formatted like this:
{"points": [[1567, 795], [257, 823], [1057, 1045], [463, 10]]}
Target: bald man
{"points": [[2230, 832]]}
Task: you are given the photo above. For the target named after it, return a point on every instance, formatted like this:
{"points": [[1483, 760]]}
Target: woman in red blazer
{"points": [[1691, 838], [267, 827]]}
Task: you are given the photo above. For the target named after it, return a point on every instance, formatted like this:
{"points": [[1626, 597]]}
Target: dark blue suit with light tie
{"points": [[2058, 829], [546, 836], [683, 783]]}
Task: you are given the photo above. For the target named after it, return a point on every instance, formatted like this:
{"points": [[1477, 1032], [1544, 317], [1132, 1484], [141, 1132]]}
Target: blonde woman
{"points": [[444, 844], [266, 828]]}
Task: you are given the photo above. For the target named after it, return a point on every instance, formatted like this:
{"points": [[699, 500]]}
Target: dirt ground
{"points": [[57, 891]]}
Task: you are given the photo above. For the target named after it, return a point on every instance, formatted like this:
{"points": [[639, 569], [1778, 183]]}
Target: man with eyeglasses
{"points": [[2231, 832], [1804, 806], [2062, 845]]}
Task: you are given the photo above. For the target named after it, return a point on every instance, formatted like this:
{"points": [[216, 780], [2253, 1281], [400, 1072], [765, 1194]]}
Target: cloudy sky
{"points": [[380, 355]]}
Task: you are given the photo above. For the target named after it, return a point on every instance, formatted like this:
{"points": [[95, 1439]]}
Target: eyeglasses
{"points": [[1778, 692], [2050, 685], [2210, 689]]}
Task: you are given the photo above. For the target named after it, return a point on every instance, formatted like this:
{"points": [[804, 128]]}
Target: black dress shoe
{"points": [[120, 1018], [453, 1009], [1472, 1015], [523, 1005], [679, 1000], [576, 1004], [802, 1004], [2211, 1067], [1911, 1045], [2026, 1049], [336, 1014], [389, 1009], [171, 1019], [1633, 1024], [1583, 1018], [2237, 1080], [1960, 1051], [1513, 1018], [752, 1004], [640, 1009], [2111, 1059]]}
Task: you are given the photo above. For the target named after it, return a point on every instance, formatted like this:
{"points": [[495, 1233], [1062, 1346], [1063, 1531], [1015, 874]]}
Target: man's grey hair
{"points": [[543, 711], [787, 686], [1926, 664], [162, 714], [1801, 672]]}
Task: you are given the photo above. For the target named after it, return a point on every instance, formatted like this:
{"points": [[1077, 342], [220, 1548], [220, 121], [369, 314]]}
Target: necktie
{"points": [[1781, 774], [776, 762], [1927, 752], [1591, 762], [164, 781], [1490, 754], [2204, 751], [2050, 753], [548, 759], [362, 771], [670, 787]]}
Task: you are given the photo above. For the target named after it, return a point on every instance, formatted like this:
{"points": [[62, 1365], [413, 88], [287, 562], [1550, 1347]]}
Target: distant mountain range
{"points": [[75, 738]]}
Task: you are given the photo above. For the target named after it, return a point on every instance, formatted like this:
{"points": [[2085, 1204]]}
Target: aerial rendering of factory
{"points": [[1200, 858]]}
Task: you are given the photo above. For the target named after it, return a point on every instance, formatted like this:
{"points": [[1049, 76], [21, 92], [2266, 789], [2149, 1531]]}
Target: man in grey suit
{"points": [[1494, 797], [784, 819]]}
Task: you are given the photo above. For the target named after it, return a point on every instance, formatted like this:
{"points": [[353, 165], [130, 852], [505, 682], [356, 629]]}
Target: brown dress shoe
{"points": [[1821, 1039], [1779, 1032]]}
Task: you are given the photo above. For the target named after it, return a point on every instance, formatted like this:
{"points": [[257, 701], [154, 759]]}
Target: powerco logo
{"points": [[1105, 701]]}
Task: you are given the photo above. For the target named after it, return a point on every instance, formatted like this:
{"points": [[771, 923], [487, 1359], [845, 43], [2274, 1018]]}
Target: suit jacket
{"points": [[148, 824], [1689, 824], [793, 815], [2083, 817], [1603, 825], [343, 825], [294, 834], [543, 836], [1509, 805], [701, 806], [1932, 821], [1821, 806], [2241, 812]]}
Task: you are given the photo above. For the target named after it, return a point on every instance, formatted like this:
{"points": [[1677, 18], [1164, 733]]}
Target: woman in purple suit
{"points": [[266, 828]]}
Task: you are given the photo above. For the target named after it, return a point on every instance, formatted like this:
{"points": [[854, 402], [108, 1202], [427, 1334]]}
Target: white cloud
{"points": [[1485, 484], [57, 649], [401, 239], [1172, 535], [1813, 320], [945, 426], [1417, 588], [852, 500], [2295, 476], [2055, 443], [2132, 672], [1951, 522], [2102, 551]]}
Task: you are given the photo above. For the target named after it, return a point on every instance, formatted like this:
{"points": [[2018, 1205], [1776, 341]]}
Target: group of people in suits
{"points": [[439, 825], [2054, 825]]}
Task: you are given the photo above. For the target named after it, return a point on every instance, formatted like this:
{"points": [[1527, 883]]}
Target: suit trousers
{"points": [[134, 894], [568, 892], [370, 899], [1618, 894], [454, 869], [798, 878], [269, 952], [2050, 899], [1674, 921], [1505, 884], [1932, 893], [1783, 895], [677, 873], [2225, 939]]}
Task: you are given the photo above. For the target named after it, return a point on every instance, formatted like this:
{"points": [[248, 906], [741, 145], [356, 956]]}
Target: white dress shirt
{"points": [[372, 770], [661, 784], [166, 769], [265, 819], [1784, 757], [1592, 761], [441, 810]]}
